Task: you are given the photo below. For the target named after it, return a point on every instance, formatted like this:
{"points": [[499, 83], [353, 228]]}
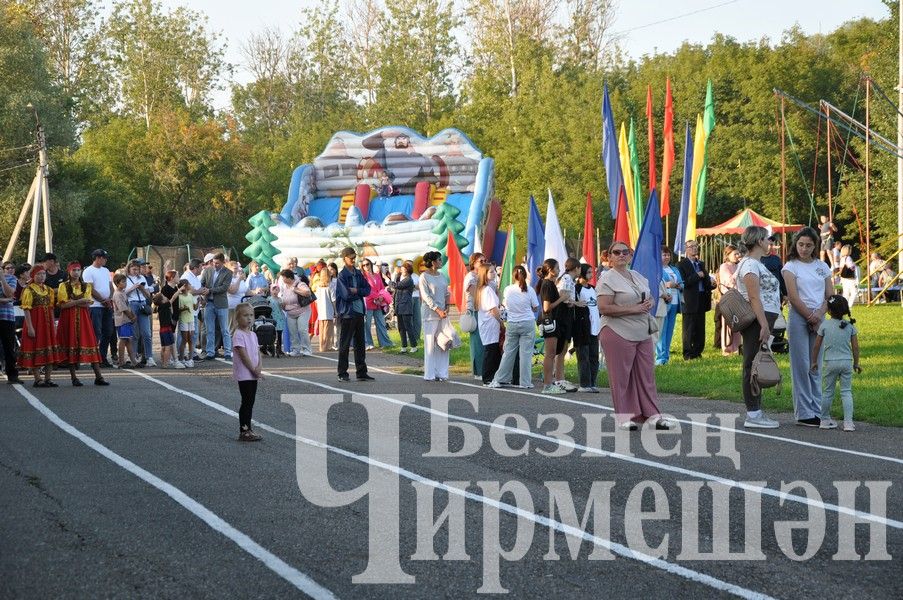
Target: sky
{"points": [[637, 21]]}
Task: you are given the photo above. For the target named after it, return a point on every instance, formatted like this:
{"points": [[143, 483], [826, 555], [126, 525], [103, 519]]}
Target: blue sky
{"points": [[741, 19]]}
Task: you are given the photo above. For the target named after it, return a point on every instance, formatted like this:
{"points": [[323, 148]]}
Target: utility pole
{"points": [[38, 200]]}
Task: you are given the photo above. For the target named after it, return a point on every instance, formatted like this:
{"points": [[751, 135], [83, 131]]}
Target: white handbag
{"points": [[446, 337], [467, 322]]}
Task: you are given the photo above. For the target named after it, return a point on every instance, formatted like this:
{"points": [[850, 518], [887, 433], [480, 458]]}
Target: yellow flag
{"points": [[626, 171], [698, 160]]}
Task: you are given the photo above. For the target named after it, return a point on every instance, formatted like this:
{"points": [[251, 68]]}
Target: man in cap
{"points": [[101, 309], [351, 289]]}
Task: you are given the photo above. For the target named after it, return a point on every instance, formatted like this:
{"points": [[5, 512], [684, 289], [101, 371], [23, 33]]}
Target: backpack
{"points": [[736, 310], [764, 372]]}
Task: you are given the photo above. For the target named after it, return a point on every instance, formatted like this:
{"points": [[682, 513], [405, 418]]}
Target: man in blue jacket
{"points": [[351, 289]]}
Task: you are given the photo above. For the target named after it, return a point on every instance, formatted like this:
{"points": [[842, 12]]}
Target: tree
{"points": [[446, 215], [261, 248]]}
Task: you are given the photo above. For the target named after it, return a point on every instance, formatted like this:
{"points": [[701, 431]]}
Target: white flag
{"points": [[554, 239]]}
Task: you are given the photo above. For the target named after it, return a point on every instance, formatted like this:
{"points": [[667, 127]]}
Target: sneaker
{"points": [[306, 353], [293, 353], [478, 377], [248, 435], [848, 426], [404, 350], [493, 384], [665, 424], [810, 422], [629, 426], [553, 389], [369, 347], [828, 424], [228, 357], [151, 362], [761, 422], [587, 390], [566, 385], [177, 365], [413, 349], [189, 363], [596, 390], [529, 386], [344, 378]]}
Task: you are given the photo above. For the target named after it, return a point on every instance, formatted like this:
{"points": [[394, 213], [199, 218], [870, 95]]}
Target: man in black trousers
{"points": [[697, 300], [351, 289]]}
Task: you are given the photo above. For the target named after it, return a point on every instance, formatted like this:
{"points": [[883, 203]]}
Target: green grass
{"points": [[877, 392]]}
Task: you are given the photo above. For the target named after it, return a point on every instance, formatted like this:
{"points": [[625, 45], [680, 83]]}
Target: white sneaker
{"points": [[526, 387], [151, 362], [828, 424], [370, 347], [478, 377], [306, 353], [494, 384], [761, 422], [189, 363], [587, 390], [848, 426], [177, 365], [566, 385], [293, 353], [413, 349], [553, 389]]}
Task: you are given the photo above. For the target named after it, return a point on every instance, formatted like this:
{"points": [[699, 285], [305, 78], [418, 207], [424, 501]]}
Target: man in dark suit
{"points": [[217, 279], [697, 300]]}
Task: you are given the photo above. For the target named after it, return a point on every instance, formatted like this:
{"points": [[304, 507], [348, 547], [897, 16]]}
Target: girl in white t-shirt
{"points": [[489, 320], [587, 324], [521, 303]]}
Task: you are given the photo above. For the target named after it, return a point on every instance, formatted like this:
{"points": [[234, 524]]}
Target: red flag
{"points": [[651, 129], [589, 242], [622, 230], [668, 160], [456, 271]]}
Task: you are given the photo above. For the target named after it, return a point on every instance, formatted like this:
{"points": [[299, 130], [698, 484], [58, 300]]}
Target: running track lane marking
{"points": [[741, 431], [765, 491], [295, 577], [614, 547]]}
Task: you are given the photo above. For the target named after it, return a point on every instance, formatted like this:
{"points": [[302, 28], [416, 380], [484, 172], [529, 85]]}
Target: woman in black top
{"points": [[551, 300]]}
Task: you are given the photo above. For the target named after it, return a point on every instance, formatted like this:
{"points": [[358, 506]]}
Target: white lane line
{"points": [[614, 547], [295, 577], [741, 431], [765, 491]]}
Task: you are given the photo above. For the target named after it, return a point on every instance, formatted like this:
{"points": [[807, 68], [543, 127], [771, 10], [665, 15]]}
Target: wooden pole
{"points": [[35, 219], [783, 185], [868, 222], [17, 230]]}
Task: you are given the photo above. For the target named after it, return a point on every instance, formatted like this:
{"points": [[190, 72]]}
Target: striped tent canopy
{"points": [[743, 219]]}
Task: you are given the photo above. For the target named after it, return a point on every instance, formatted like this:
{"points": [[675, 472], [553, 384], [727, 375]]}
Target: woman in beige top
{"points": [[625, 302]]}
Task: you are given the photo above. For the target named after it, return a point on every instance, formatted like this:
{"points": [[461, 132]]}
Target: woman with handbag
{"points": [[477, 348], [295, 299], [625, 301], [375, 304], [551, 300], [809, 285], [139, 303], [763, 292], [434, 295]]}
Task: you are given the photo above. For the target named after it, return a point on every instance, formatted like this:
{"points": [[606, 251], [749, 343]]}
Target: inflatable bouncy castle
{"points": [[391, 193]]}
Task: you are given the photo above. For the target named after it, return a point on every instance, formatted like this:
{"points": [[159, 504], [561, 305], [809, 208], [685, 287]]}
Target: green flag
{"points": [[637, 184], [509, 261], [708, 124]]}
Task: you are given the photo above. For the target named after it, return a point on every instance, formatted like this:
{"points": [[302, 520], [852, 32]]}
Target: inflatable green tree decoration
{"points": [[446, 214], [261, 238]]}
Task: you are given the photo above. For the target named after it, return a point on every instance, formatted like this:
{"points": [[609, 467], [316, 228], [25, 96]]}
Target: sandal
{"points": [[77, 383]]}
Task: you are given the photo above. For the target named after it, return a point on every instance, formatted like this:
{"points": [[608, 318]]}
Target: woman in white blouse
{"points": [[521, 303], [434, 296]]}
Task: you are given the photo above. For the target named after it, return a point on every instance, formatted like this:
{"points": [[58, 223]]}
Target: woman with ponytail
{"points": [[520, 334], [837, 337]]}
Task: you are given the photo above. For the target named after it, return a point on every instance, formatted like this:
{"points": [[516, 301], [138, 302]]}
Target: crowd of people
{"points": [[611, 318]]}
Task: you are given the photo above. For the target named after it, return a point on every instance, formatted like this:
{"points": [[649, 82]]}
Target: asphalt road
{"points": [[141, 489]]}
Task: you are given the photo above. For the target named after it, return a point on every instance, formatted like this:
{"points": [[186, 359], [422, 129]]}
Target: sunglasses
{"points": [[9, 268], [621, 252]]}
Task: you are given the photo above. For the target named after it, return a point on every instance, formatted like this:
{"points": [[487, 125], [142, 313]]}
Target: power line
{"points": [[675, 18]]}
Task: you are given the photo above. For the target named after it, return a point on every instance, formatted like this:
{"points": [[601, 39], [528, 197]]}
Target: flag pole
{"points": [[868, 220], [783, 185]]}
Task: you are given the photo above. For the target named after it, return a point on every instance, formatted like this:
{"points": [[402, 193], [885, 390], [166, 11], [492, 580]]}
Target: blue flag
{"points": [[536, 240], [680, 236], [611, 158], [647, 256]]}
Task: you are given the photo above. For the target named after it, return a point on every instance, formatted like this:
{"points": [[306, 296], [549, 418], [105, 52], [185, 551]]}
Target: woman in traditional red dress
{"points": [[75, 333], [39, 347]]}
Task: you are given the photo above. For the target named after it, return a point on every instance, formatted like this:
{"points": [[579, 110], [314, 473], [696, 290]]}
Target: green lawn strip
{"points": [[877, 392]]}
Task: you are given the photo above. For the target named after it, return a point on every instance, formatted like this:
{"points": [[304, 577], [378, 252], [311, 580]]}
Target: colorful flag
{"points": [[668, 159], [626, 171], [650, 131], [680, 237], [698, 159], [456, 271], [708, 124], [622, 227], [589, 239], [536, 240], [555, 247], [635, 204], [647, 256], [509, 261], [610, 155]]}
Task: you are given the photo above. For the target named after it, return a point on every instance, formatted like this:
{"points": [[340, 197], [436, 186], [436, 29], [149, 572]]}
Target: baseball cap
{"points": [[347, 251], [208, 257], [100, 252], [140, 261]]}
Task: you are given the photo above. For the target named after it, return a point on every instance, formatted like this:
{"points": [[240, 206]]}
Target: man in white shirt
{"points": [[101, 309], [193, 275]]}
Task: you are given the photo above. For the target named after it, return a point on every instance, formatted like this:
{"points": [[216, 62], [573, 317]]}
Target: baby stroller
{"points": [[264, 324], [779, 343]]}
